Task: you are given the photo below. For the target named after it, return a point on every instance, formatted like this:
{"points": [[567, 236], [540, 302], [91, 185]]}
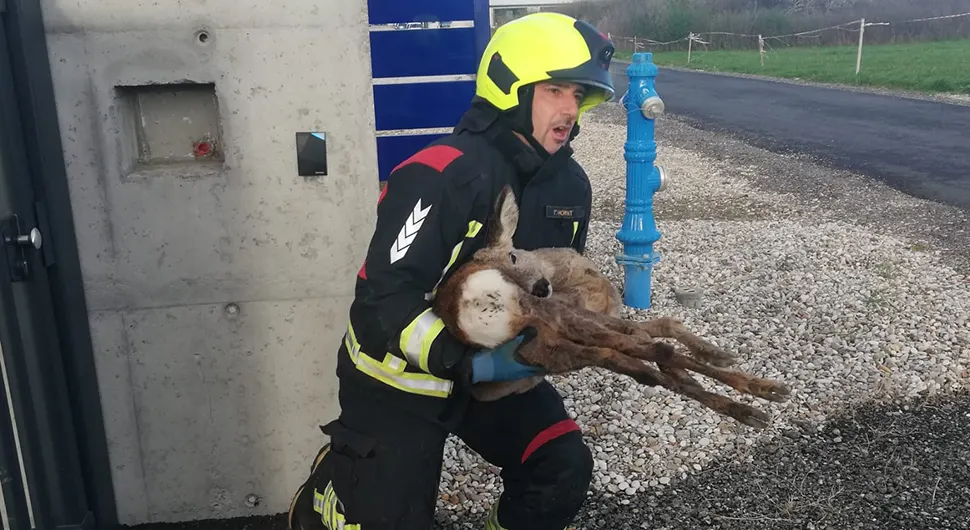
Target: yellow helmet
{"points": [[545, 46]]}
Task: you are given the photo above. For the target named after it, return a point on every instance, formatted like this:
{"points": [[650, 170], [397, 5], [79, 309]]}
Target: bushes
{"points": [[667, 20]]}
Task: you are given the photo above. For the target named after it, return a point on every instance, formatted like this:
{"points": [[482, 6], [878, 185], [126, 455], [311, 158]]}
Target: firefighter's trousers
{"points": [[381, 467]]}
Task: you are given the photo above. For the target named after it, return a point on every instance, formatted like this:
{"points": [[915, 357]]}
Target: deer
{"points": [[571, 316]]}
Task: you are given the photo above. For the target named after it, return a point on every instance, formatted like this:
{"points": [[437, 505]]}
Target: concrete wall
{"points": [[217, 290]]}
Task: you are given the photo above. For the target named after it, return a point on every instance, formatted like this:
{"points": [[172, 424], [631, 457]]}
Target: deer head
{"points": [[481, 303], [522, 267]]}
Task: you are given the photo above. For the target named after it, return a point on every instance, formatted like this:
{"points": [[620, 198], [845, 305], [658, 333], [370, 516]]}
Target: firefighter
{"points": [[402, 375]]}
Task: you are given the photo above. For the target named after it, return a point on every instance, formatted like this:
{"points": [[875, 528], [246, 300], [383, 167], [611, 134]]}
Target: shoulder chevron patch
{"points": [[409, 231]]}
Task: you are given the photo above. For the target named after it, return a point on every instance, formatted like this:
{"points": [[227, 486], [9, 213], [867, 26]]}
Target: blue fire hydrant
{"points": [[643, 179]]}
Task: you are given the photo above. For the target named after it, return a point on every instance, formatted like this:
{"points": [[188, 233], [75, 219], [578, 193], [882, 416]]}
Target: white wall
{"points": [[529, 3], [203, 406], [502, 11]]}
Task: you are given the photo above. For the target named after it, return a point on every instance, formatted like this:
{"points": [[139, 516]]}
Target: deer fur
{"points": [[576, 314]]}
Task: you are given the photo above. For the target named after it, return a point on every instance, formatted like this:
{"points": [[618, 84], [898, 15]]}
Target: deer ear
{"points": [[505, 219]]}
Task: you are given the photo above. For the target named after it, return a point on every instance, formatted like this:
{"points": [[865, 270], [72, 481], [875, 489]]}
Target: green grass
{"points": [[941, 66]]}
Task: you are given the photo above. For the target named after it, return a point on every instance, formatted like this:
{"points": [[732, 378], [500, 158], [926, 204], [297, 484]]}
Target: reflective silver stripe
{"points": [[396, 364], [422, 333], [391, 371]]}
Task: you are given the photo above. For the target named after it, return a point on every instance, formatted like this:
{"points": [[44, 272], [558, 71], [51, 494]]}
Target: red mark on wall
{"points": [[202, 149]]}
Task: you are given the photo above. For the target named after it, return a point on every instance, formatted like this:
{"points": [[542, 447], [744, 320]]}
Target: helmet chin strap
{"points": [[520, 119], [574, 132]]}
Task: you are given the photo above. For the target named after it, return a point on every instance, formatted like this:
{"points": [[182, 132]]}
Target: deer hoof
{"points": [[754, 418], [773, 391], [765, 389]]}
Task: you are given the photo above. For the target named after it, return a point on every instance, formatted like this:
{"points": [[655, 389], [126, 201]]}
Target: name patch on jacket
{"points": [[565, 212]]}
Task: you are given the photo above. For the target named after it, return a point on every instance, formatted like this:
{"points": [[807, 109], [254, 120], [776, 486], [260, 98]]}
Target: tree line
{"points": [[669, 20]]}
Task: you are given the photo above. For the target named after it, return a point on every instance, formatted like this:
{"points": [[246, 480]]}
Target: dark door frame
{"points": [[33, 86]]}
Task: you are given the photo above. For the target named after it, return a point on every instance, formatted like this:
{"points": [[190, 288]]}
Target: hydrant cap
{"points": [[652, 107]]}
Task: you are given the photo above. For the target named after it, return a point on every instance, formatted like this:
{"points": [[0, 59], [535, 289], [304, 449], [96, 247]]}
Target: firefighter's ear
{"points": [[504, 220]]}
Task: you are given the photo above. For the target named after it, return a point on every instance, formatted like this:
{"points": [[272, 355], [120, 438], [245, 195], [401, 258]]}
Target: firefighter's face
{"points": [[555, 107]]}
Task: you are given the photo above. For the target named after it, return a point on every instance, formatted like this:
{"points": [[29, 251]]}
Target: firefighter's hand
{"points": [[499, 364]]}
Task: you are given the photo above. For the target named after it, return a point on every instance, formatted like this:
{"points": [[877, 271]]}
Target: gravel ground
{"points": [[903, 466], [848, 291]]}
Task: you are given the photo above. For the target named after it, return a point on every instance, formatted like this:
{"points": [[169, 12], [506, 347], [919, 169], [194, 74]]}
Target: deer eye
{"points": [[512, 257]]}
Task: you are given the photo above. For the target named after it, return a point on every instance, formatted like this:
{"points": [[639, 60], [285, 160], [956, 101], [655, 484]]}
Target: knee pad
{"points": [[549, 488], [571, 461]]}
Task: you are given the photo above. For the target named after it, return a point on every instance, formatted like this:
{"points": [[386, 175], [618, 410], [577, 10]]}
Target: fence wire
{"points": [[855, 29]]}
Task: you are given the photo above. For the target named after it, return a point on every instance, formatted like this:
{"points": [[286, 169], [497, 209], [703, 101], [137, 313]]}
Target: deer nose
{"points": [[541, 288]]}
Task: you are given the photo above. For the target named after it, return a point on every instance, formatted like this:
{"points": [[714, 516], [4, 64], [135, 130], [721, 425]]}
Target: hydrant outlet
{"points": [[663, 178], [652, 107]]}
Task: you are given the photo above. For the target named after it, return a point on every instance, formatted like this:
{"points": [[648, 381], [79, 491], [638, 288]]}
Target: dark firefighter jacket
{"points": [[431, 217]]}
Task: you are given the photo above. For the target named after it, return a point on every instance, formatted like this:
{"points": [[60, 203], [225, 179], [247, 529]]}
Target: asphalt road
{"points": [[919, 147]]}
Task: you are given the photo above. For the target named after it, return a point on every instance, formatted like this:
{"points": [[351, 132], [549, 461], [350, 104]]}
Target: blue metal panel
{"points": [[483, 28], [392, 150], [424, 52], [391, 11], [427, 104]]}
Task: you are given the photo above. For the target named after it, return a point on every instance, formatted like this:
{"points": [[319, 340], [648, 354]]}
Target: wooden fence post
{"points": [[858, 59]]}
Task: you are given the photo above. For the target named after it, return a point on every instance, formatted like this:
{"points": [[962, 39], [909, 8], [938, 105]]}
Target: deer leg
{"points": [[588, 332], [559, 354], [682, 376], [556, 355], [767, 389], [680, 383], [700, 348], [592, 331], [589, 328], [659, 327]]}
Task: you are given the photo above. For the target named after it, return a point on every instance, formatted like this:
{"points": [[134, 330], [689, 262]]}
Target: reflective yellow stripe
{"points": [[473, 228], [575, 229], [417, 338], [492, 522], [331, 516], [326, 505], [416, 341], [390, 371], [318, 504]]}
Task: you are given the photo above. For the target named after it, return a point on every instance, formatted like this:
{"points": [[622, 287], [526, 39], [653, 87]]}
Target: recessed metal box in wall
{"points": [[172, 124]]}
